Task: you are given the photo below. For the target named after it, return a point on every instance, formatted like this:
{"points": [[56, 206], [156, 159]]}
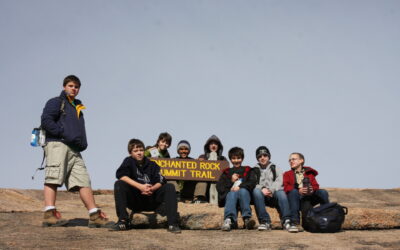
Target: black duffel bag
{"points": [[327, 218]]}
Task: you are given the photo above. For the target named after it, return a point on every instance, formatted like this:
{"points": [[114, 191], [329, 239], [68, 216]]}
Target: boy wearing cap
{"points": [[302, 188], [191, 189], [269, 191]]}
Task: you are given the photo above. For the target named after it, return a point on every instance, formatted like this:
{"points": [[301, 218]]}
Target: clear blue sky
{"points": [[317, 77]]}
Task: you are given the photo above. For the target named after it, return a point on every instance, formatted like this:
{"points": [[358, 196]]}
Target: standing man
{"points": [[302, 188], [63, 121]]}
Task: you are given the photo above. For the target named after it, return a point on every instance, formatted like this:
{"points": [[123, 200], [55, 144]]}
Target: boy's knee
{"points": [[169, 187], [242, 192], [231, 194], [118, 185], [280, 195], [293, 194], [257, 193]]}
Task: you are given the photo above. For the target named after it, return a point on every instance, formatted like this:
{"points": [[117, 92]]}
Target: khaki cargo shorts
{"points": [[63, 165]]}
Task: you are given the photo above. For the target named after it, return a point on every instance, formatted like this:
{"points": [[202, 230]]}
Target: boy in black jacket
{"points": [[235, 186], [141, 187]]}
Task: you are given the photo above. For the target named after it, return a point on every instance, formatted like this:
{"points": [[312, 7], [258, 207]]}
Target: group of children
{"points": [[141, 187]]}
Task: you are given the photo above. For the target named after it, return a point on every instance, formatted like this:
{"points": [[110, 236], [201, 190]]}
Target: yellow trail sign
{"points": [[190, 169]]}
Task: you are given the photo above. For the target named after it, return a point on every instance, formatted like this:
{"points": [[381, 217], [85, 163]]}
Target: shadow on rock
{"points": [[78, 222]]}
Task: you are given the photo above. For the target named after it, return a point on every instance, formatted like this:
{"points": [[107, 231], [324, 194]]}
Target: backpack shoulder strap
{"points": [[41, 166], [62, 106], [273, 169]]}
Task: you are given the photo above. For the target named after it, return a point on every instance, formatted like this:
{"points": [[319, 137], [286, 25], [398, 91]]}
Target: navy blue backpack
{"points": [[326, 218]]}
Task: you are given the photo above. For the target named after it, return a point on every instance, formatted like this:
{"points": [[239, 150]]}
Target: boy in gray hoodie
{"points": [[269, 191]]}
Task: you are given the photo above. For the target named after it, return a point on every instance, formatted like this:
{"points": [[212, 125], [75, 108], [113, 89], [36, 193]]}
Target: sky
{"points": [[316, 77]]}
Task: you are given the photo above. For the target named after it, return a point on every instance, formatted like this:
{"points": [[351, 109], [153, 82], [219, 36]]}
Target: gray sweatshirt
{"points": [[266, 178]]}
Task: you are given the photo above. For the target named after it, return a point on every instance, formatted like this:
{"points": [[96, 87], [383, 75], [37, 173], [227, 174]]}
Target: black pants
{"points": [[127, 196]]}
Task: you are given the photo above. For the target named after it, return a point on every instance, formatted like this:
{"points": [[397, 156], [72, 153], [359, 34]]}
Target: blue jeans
{"points": [[232, 198], [278, 200], [299, 202]]}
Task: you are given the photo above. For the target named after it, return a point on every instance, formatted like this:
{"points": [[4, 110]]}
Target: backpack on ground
{"points": [[326, 218]]}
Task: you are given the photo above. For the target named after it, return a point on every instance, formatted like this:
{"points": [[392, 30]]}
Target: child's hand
{"points": [[235, 189], [145, 188], [305, 191], [266, 192], [234, 177]]}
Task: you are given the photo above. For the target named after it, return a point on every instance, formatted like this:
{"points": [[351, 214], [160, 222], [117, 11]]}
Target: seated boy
{"points": [[213, 149], [194, 190], [269, 191], [234, 188], [302, 188], [141, 187]]}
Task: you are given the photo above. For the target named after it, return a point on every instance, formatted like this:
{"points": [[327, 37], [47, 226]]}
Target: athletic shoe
{"points": [[226, 226], [121, 226], [249, 223], [290, 227], [264, 227], [174, 229]]}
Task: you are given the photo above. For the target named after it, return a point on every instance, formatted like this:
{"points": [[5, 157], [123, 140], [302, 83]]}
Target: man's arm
{"points": [[287, 185], [155, 187], [50, 116], [143, 188]]}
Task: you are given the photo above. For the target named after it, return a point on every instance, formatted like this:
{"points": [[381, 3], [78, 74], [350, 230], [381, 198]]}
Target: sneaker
{"points": [[249, 223], [264, 227], [290, 227], [52, 218], [121, 226], [199, 200], [226, 226], [174, 229], [99, 219]]}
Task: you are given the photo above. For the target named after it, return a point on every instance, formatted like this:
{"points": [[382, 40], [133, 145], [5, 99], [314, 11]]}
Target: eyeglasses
{"points": [[293, 159]]}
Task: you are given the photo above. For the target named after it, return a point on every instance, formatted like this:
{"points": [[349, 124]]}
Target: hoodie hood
{"points": [[310, 170], [213, 138]]}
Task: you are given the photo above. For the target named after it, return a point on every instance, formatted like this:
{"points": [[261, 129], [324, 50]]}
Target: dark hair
{"points": [[300, 155], [71, 78], [164, 136], [134, 143], [236, 151]]}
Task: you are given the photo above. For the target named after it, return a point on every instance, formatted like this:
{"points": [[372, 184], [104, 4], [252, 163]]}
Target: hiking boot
{"points": [[121, 225], [99, 219], [174, 229], [290, 227], [52, 218], [264, 226], [227, 225], [249, 223]]}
